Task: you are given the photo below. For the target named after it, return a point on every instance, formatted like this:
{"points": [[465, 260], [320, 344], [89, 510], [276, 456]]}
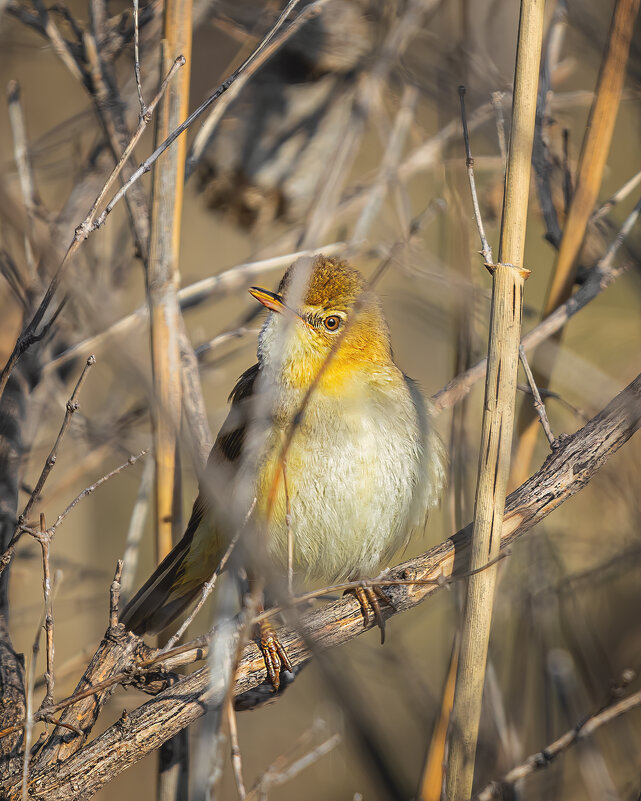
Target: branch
{"points": [[543, 758], [565, 472]]}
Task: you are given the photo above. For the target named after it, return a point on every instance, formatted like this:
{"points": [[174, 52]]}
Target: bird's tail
{"points": [[163, 597]]}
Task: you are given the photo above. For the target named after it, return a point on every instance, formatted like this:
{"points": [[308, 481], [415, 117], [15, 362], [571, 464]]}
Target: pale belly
{"points": [[356, 487]]}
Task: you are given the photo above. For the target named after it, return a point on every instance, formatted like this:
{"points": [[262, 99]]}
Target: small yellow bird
{"points": [[363, 462]]}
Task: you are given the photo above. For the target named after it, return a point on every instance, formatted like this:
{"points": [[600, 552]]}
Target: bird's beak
{"points": [[274, 302]]}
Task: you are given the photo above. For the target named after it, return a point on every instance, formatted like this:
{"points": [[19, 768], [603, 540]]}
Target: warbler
{"points": [[331, 440]]}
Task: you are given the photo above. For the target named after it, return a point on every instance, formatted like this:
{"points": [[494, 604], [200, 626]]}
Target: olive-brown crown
{"points": [[330, 283]]}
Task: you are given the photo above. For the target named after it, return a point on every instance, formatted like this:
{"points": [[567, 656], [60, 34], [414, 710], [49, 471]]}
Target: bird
{"points": [[332, 443]]}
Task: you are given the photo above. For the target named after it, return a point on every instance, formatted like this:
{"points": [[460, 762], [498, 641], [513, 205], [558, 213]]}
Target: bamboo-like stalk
{"points": [[162, 273], [166, 327], [498, 416], [594, 153]]}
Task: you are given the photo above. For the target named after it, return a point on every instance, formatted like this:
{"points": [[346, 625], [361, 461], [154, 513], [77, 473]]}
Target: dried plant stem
{"points": [[162, 277], [93, 487], [432, 780], [498, 416], [571, 737], [30, 333], [236, 756], [265, 50], [594, 153], [617, 197], [25, 172], [162, 273], [216, 286], [143, 107], [45, 540], [71, 407], [135, 530], [461, 385], [486, 250], [566, 472], [114, 595], [539, 406], [389, 165]]}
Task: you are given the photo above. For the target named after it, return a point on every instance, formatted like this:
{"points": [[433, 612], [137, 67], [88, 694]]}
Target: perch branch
{"points": [[567, 470]]}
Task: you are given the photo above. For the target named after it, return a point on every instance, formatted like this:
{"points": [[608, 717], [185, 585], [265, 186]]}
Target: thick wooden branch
{"points": [[567, 470]]}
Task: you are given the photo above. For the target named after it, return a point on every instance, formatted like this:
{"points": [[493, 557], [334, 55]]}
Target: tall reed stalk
{"points": [[498, 415]]}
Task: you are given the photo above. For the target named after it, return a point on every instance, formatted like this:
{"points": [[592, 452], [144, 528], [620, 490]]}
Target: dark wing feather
{"points": [[152, 608], [231, 437]]}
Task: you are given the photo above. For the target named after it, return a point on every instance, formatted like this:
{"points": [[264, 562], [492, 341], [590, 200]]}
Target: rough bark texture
{"points": [[567, 470], [12, 419]]}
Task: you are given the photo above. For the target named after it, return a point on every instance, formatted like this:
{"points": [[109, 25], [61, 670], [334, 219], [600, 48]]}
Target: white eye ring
{"points": [[332, 323]]}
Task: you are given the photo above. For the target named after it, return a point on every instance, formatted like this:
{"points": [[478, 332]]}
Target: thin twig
{"points": [[136, 527], [45, 540], [606, 262], [197, 293], [264, 51], [288, 765], [223, 338], [571, 737], [92, 487], [486, 250], [205, 593], [114, 595], [143, 108], [236, 756], [596, 282], [548, 393], [71, 407], [310, 12], [387, 173], [25, 171], [617, 197], [497, 105], [88, 225], [538, 403], [30, 718], [29, 335]]}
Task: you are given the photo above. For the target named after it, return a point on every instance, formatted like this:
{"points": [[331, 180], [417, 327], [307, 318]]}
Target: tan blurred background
{"points": [[557, 643]]}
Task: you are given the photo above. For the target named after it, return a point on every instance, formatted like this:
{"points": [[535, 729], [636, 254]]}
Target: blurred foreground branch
{"points": [[571, 737], [567, 470]]}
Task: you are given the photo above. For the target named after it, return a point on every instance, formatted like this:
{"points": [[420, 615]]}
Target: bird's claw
{"points": [[368, 596], [274, 653]]}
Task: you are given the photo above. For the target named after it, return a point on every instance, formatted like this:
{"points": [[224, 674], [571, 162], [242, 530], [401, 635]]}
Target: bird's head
{"points": [[322, 306]]}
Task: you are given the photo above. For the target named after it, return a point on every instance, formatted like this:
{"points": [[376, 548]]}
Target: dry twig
{"points": [[594, 153], [571, 737], [498, 409], [538, 403], [567, 470]]}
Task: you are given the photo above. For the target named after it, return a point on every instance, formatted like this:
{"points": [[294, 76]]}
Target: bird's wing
{"points": [[178, 578]]}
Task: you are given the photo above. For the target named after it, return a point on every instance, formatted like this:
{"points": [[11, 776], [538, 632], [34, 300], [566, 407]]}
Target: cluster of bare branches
{"points": [[49, 749]]}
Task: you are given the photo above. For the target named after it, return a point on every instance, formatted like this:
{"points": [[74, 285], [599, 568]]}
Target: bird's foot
{"points": [[368, 596], [274, 653]]}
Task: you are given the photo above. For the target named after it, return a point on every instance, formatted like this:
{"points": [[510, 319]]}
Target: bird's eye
{"points": [[332, 323]]}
